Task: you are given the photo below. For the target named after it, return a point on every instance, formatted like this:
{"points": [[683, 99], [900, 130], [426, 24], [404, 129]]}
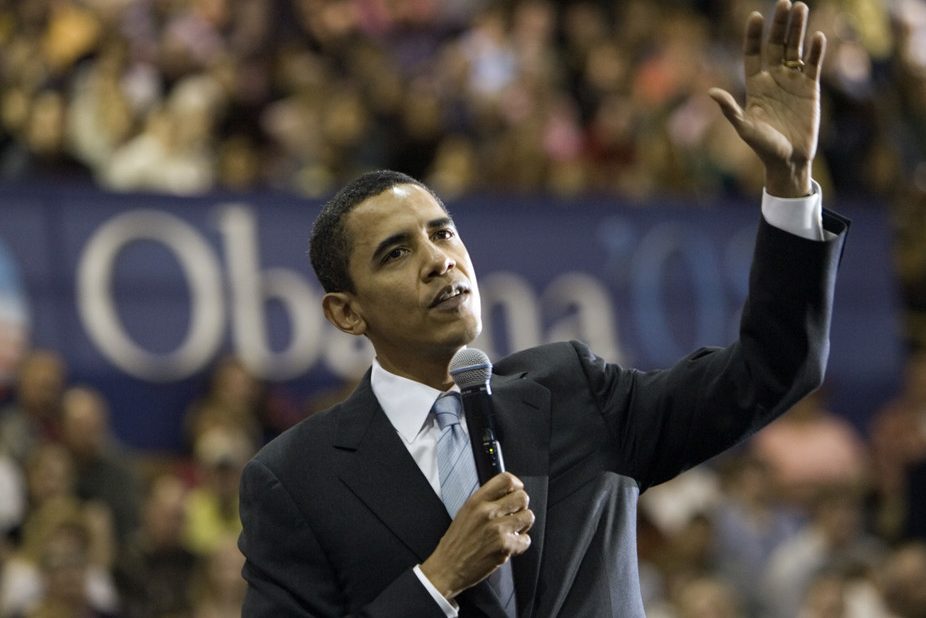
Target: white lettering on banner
{"points": [[575, 305], [96, 303], [587, 305], [590, 316], [513, 298], [252, 288], [661, 247]]}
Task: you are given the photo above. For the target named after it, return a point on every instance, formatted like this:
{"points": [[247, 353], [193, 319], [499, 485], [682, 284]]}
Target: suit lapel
{"points": [[522, 411], [382, 474]]}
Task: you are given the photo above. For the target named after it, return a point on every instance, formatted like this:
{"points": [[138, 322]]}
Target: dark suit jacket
{"points": [[336, 513]]}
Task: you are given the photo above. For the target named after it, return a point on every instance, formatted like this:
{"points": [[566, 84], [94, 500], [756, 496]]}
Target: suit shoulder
{"points": [[551, 358], [302, 441]]}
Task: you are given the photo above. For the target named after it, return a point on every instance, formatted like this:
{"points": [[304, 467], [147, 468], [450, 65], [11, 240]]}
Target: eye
{"points": [[394, 254], [444, 234]]}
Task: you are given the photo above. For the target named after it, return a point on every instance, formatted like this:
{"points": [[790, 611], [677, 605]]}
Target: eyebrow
{"points": [[385, 244]]}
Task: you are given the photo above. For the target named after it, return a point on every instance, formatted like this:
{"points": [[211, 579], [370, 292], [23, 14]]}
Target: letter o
{"points": [[97, 307]]}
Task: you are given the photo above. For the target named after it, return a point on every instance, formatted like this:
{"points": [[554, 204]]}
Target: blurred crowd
{"points": [[808, 519], [189, 95], [92, 529]]}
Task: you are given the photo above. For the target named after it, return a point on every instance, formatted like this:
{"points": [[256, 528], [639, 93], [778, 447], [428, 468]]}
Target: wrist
{"points": [[788, 181], [439, 579]]}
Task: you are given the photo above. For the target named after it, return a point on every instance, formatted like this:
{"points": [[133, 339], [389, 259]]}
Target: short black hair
{"points": [[330, 245]]}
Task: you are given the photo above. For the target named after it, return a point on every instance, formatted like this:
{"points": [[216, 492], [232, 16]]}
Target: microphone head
{"points": [[470, 367]]}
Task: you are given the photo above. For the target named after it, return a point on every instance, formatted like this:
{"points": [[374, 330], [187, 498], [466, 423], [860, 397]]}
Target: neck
{"points": [[432, 372]]}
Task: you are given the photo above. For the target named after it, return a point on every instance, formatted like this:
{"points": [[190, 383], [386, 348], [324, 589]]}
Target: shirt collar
{"points": [[406, 403]]}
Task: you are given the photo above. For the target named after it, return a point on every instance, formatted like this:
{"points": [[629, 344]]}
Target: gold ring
{"points": [[794, 64]]}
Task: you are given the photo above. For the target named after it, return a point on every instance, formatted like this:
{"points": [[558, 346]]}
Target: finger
{"points": [[516, 523], [499, 485], [797, 28], [774, 48], [517, 544], [517, 500], [525, 520], [752, 44], [728, 105], [815, 55]]}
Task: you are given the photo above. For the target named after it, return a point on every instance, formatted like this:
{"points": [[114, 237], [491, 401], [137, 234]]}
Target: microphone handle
{"points": [[477, 405]]}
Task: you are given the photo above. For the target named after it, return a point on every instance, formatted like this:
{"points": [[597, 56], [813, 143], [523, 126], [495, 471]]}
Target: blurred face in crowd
{"points": [[903, 581], [41, 380], [84, 423], [825, 598], [50, 474], [234, 384], [416, 296], [165, 512]]}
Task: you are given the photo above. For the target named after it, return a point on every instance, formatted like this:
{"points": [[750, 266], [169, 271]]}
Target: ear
{"points": [[340, 310]]}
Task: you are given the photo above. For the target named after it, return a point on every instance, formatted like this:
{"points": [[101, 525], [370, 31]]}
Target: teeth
{"points": [[449, 294]]}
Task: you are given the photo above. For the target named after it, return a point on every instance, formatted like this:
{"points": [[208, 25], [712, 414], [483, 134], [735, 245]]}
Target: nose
{"points": [[437, 262]]}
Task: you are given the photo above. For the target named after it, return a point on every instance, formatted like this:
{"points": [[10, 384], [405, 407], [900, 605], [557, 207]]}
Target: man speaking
{"points": [[372, 508]]}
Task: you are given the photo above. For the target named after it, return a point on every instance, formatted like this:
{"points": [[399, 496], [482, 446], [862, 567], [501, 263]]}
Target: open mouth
{"points": [[451, 292]]}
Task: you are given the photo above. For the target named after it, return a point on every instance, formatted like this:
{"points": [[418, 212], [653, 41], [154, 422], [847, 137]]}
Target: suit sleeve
{"points": [[286, 569], [664, 422]]}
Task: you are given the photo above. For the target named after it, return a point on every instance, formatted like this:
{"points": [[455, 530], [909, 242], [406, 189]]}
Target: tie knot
{"points": [[447, 410]]}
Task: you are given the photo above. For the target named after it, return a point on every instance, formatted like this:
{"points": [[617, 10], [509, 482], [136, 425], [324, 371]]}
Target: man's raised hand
{"points": [[781, 117]]}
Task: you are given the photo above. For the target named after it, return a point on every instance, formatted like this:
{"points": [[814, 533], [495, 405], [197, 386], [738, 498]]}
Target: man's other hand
{"points": [[490, 527]]}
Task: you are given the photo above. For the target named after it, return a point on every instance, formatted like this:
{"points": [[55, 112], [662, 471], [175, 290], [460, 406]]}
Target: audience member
{"points": [[34, 415], [750, 523], [212, 506], [64, 562], [103, 472], [903, 581], [234, 401], [154, 569], [833, 539], [898, 442], [220, 588], [810, 447]]}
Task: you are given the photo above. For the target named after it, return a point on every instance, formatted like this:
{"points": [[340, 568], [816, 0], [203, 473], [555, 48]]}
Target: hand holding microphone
{"points": [[494, 523]]}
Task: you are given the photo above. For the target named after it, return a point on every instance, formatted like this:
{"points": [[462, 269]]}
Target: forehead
{"points": [[400, 209]]}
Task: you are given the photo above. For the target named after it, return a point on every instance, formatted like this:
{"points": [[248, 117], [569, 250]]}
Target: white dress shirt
{"points": [[407, 403]]}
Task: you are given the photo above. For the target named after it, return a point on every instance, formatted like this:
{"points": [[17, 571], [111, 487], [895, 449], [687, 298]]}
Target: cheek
{"points": [[477, 305]]}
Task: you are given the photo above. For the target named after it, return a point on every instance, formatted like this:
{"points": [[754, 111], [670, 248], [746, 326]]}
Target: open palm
{"points": [[781, 117]]}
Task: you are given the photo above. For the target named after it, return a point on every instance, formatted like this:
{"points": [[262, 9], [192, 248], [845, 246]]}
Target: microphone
{"points": [[471, 369]]}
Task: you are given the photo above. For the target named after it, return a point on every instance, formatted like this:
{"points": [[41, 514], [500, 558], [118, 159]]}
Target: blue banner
{"points": [[141, 294]]}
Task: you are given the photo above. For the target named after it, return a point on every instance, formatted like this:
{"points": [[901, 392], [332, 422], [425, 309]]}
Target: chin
{"points": [[464, 335]]}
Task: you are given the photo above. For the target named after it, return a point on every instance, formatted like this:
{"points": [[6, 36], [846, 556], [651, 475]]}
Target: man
{"points": [[346, 513]]}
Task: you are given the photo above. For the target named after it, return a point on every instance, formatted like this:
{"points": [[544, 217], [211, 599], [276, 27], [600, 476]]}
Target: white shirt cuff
{"points": [[449, 608], [801, 216]]}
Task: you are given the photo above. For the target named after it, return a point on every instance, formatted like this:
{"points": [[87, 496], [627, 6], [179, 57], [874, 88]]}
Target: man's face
{"points": [[416, 295]]}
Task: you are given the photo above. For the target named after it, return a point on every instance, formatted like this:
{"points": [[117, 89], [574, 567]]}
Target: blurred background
{"points": [[161, 162]]}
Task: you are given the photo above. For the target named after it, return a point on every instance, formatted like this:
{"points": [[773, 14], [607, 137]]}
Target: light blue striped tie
{"points": [[458, 481], [455, 462]]}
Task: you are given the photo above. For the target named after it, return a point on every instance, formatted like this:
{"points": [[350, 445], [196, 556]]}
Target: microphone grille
{"points": [[470, 367]]}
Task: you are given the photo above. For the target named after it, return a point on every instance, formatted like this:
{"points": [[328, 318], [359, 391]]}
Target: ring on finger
{"points": [[794, 64]]}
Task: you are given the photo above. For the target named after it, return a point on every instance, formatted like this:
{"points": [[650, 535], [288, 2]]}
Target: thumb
{"points": [[728, 105]]}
